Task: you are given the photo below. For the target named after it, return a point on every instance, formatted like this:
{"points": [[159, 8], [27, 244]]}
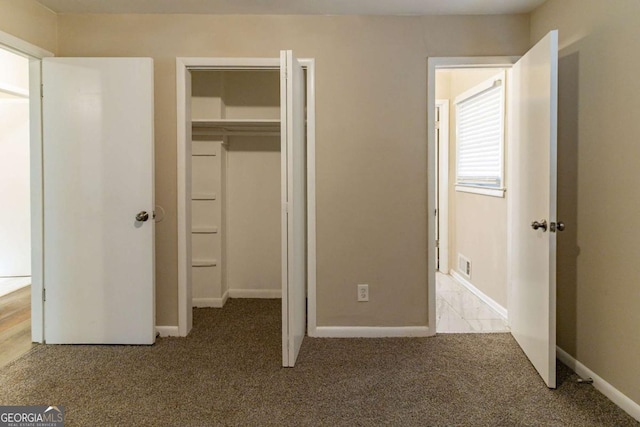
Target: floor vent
{"points": [[464, 266]]}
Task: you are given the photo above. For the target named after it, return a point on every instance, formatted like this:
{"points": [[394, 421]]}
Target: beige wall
{"points": [[477, 223], [254, 257], [29, 21], [371, 135], [598, 152]]}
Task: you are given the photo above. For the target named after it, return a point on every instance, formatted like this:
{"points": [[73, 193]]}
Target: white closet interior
{"points": [[235, 185], [15, 211]]}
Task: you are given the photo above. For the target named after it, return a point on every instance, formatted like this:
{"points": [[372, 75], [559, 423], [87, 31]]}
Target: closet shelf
{"points": [[204, 230], [211, 196], [10, 91], [235, 126], [204, 262]]}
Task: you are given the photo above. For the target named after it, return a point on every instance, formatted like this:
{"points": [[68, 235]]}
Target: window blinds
{"points": [[480, 132]]}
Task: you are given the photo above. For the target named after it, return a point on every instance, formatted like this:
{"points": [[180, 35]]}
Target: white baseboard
{"points": [[168, 331], [255, 293], [616, 396], [370, 331], [210, 302], [484, 297]]}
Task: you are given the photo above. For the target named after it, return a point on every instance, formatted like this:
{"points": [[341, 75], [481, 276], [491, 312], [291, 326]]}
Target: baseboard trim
{"points": [[370, 331], [210, 302], [616, 396], [484, 297], [255, 293], [168, 331]]}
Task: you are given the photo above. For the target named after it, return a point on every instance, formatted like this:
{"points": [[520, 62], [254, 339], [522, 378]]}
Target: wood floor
{"points": [[15, 325]]}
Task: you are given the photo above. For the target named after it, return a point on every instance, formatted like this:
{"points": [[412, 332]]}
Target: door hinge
{"points": [[44, 294], [285, 207], [437, 243], [437, 125], [41, 90]]}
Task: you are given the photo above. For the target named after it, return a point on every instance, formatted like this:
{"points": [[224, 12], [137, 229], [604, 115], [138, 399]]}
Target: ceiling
{"points": [[297, 7]]}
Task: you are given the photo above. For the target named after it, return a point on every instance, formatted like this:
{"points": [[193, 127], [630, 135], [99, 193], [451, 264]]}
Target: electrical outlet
{"points": [[363, 293]]}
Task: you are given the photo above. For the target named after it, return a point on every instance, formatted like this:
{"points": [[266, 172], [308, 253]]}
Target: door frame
{"points": [[442, 169], [434, 64], [184, 65], [35, 55]]}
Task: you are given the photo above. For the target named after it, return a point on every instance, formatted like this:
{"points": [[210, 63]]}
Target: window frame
{"points": [[477, 187]]}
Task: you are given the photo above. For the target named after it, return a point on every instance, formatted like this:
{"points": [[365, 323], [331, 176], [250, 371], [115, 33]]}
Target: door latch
{"points": [[542, 224], [559, 226], [142, 216]]}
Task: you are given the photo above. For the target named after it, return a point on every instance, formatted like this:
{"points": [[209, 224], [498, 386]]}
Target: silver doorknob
{"points": [[142, 216], [560, 226], [542, 224]]}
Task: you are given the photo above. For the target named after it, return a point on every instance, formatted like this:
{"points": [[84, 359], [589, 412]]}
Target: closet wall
{"points": [[15, 204], [236, 249]]}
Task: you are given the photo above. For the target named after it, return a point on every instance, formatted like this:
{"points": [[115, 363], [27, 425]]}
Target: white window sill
{"points": [[493, 192]]}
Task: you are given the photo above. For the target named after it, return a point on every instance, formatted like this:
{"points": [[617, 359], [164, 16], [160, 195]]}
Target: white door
{"points": [[533, 178], [293, 144], [98, 175]]}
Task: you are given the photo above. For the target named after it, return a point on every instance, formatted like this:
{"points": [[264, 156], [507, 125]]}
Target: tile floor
{"points": [[458, 310]]}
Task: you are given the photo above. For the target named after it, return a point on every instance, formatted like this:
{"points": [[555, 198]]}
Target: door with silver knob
{"points": [[533, 191], [99, 265]]}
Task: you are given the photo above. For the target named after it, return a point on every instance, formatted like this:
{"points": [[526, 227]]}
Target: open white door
{"points": [[293, 144], [532, 189], [98, 201]]}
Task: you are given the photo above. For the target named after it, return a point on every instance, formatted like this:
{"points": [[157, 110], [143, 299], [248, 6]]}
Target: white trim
{"points": [[184, 199], [255, 293], [205, 63], [21, 47], [493, 192], [443, 191], [372, 331], [35, 55], [168, 331], [484, 297], [433, 64], [286, 234], [616, 396], [184, 231], [37, 201], [310, 66], [210, 302]]}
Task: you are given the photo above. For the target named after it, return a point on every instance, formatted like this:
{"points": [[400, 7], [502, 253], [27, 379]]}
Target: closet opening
{"points": [[235, 186], [246, 195], [15, 215]]}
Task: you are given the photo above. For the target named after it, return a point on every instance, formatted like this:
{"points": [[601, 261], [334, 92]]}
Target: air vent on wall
{"points": [[464, 266]]}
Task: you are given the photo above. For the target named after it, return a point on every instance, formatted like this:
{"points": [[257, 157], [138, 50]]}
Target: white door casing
{"points": [[442, 185], [533, 183], [293, 144], [99, 271]]}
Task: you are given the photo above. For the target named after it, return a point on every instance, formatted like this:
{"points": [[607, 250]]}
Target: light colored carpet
{"points": [[227, 372]]}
